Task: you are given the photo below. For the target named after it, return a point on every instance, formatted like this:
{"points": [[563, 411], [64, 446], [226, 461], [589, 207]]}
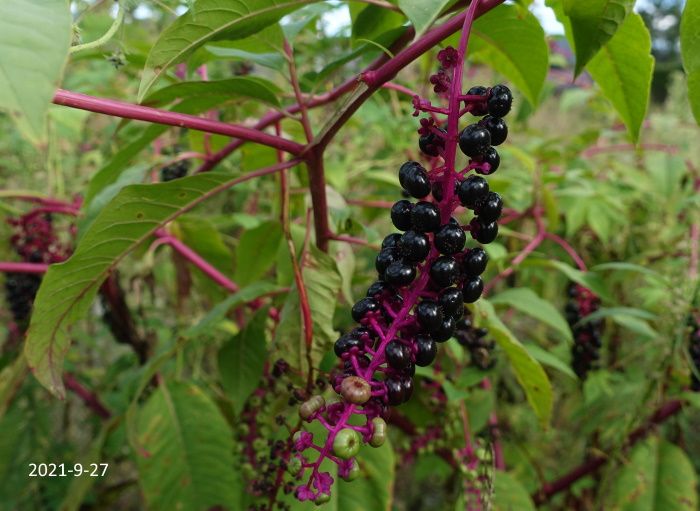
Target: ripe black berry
{"points": [[175, 170], [20, 290], [414, 179], [445, 330], [399, 274], [378, 288], [474, 140], [472, 289], [492, 158], [500, 101], [425, 217], [470, 190], [483, 232], [394, 391], [478, 109], [391, 240], [384, 258], [497, 128], [444, 271], [398, 355], [426, 350], [431, 143], [407, 384], [489, 207], [414, 246], [345, 342], [429, 315], [450, 239], [451, 300], [475, 261], [363, 307], [401, 215]]}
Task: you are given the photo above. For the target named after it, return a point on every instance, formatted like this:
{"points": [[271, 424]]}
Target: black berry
{"points": [[384, 258], [474, 140], [483, 232], [475, 261], [489, 207], [425, 217], [429, 315], [426, 350], [414, 246], [500, 101], [394, 391], [470, 190], [401, 215], [478, 109], [414, 179], [175, 170], [472, 289], [450, 239], [378, 288], [445, 330], [491, 157], [431, 143], [451, 300], [392, 240], [345, 343], [398, 355], [444, 271], [399, 274], [363, 307], [497, 128]]}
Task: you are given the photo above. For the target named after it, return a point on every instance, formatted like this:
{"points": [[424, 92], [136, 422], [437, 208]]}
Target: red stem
{"points": [[89, 398], [568, 249], [145, 113], [8, 267]]}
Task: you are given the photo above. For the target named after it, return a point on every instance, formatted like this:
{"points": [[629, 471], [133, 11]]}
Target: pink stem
{"points": [[568, 249], [353, 240], [90, 399], [65, 210], [145, 113], [8, 267]]}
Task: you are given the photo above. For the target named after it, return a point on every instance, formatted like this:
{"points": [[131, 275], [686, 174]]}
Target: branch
{"points": [[145, 113], [568, 249], [8, 267], [89, 398]]}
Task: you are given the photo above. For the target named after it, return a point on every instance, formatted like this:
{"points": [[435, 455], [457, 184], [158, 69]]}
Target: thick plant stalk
{"points": [[10, 267]]}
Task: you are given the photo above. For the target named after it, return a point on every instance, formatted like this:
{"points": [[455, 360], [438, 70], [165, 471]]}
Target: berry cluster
{"points": [[425, 275], [20, 290], [175, 170], [694, 349], [587, 342], [474, 340]]}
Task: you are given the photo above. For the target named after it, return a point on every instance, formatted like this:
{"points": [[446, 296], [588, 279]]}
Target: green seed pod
{"points": [[322, 498], [310, 407], [346, 443], [378, 432], [294, 466], [355, 390], [354, 472]]}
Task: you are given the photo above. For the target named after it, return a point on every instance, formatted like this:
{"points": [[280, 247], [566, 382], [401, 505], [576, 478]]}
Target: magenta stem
{"points": [[568, 249], [91, 400], [8, 267]]}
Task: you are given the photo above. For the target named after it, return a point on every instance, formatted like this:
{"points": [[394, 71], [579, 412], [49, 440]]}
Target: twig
{"points": [[568, 249], [91, 400], [9, 267]]}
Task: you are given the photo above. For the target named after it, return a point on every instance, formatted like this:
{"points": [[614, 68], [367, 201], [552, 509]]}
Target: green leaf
{"points": [[241, 360], [623, 69], [511, 41], [421, 13], [200, 235], [256, 252], [184, 451], [373, 489], [34, 39], [209, 20], [593, 24], [510, 495], [245, 86], [527, 301], [528, 371], [68, 288], [658, 477], [545, 357], [690, 51], [591, 280]]}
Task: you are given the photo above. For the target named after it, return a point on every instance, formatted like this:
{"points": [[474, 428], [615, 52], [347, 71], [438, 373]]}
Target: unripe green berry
{"points": [[353, 473], [310, 407], [378, 432], [355, 390], [294, 466], [322, 498], [346, 443]]}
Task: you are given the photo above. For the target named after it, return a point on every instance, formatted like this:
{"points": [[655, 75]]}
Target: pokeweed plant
{"points": [[225, 283]]}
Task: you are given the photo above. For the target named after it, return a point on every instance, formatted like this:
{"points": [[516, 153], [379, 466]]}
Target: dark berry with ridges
{"points": [[492, 158], [398, 355], [394, 391], [444, 271], [450, 239], [429, 315], [426, 350], [431, 143], [478, 109], [414, 246], [445, 330], [474, 140], [392, 240], [471, 190], [378, 288], [363, 307], [425, 217], [345, 343], [475, 261], [483, 232], [489, 207], [472, 289], [384, 258], [401, 215], [451, 300], [399, 274], [500, 101], [407, 169], [416, 182], [497, 128]]}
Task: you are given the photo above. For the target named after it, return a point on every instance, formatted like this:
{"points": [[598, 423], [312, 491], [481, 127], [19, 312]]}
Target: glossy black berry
{"points": [[483, 232], [429, 315], [450, 239], [414, 246], [489, 207], [478, 109], [445, 330], [363, 307], [394, 391], [175, 170], [471, 190], [407, 384], [406, 170], [398, 355], [497, 128], [384, 258], [431, 143], [472, 289], [391, 240], [475, 261], [414, 179], [492, 158], [451, 301], [426, 350], [444, 271], [345, 343], [474, 140], [401, 215], [425, 217], [399, 274], [500, 101], [378, 288]]}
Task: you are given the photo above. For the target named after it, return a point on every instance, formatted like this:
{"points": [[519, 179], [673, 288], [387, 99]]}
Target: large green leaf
{"points": [[528, 371], [257, 250], [527, 301], [690, 51], [68, 288], [511, 41], [184, 451], [34, 39], [658, 477], [623, 69], [209, 20], [251, 87], [593, 24], [373, 489], [421, 13], [241, 360], [510, 495]]}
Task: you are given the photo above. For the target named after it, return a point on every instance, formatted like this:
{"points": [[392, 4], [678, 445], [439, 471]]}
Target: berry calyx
{"points": [[425, 217], [450, 239], [355, 390], [401, 215], [474, 140], [471, 190]]}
